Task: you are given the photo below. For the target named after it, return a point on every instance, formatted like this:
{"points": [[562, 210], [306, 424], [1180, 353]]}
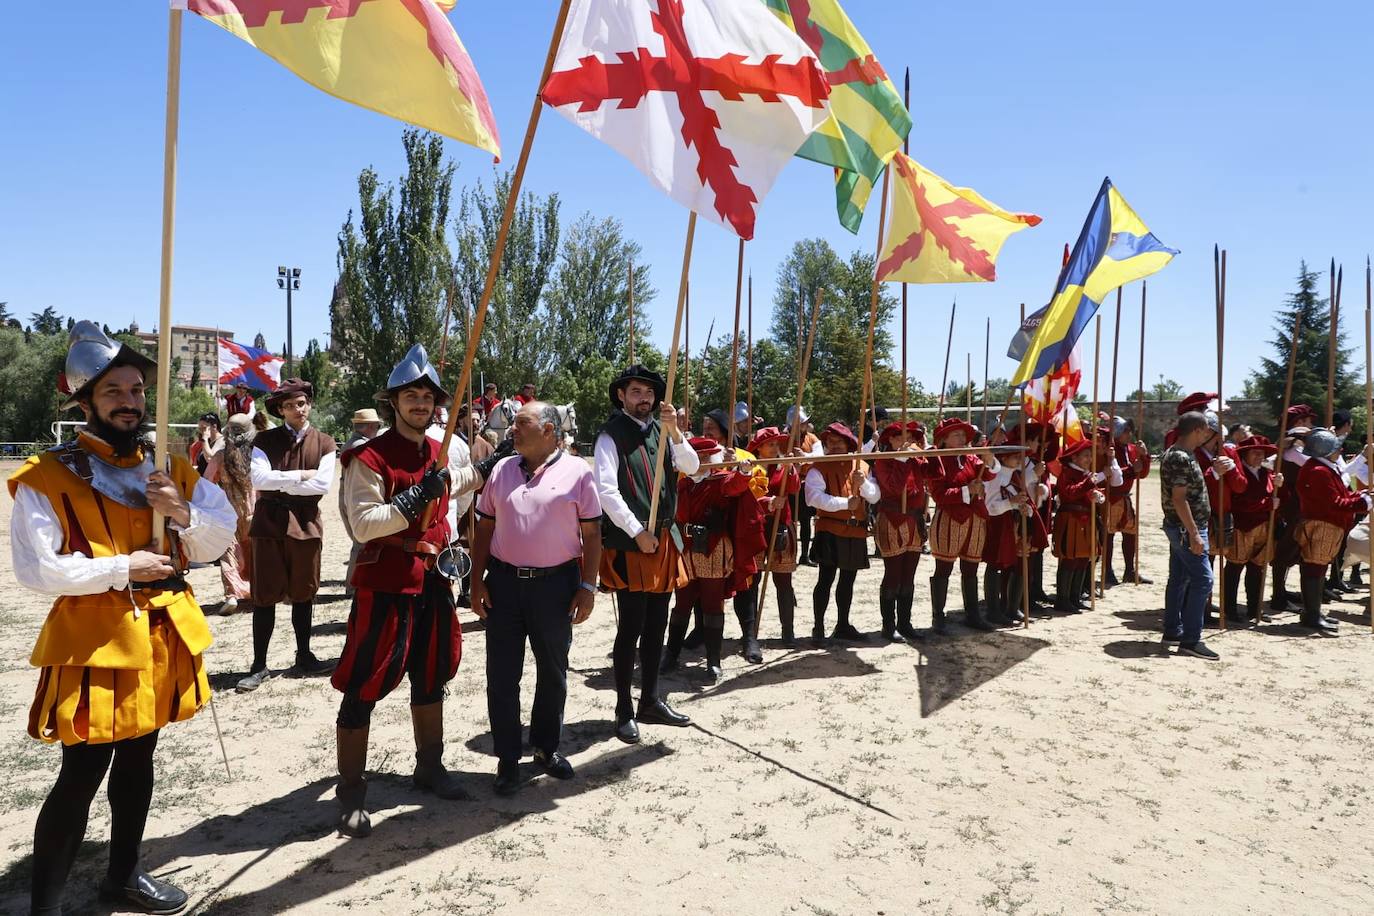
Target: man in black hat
{"points": [[642, 566], [292, 467]]}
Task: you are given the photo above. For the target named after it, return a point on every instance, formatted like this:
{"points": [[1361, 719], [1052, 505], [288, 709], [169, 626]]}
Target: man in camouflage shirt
{"points": [[1183, 496]]}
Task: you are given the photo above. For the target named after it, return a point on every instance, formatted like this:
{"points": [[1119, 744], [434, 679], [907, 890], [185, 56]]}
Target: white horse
{"points": [[567, 417]]}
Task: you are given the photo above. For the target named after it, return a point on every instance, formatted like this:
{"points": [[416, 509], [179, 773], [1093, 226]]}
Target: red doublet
{"points": [[1324, 497], [784, 481], [1127, 454], [742, 521], [946, 476], [384, 565], [894, 479], [1235, 479], [1073, 486], [1250, 508]]}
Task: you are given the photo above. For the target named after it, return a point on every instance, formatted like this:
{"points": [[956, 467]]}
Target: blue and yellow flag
{"points": [[1115, 248]]}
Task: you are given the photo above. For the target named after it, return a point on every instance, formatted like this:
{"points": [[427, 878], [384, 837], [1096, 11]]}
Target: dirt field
{"points": [[1068, 768]]}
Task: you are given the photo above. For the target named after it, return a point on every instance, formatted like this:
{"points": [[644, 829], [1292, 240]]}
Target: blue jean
{"points": [[1189, 586]]}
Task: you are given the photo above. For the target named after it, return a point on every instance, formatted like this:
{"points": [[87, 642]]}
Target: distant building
{"points": [[190, 343]]}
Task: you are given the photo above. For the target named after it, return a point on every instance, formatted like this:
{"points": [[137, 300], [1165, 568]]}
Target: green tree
{"points": [[1311, 366], [394, 266], [28, 384], [47, 322], [4, 313], [514, 346], [195, 371], [329, 413]]}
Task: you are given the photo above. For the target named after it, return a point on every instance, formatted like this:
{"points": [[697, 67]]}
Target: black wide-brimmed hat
{"points": [[637, 373], [289, 388]]}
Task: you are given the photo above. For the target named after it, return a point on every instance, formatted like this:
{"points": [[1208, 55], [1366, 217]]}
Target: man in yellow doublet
{"points": [[120, 654]]}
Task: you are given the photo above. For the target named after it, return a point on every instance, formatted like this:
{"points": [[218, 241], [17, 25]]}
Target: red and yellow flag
{"points": [[400, 58], [940, 233]]}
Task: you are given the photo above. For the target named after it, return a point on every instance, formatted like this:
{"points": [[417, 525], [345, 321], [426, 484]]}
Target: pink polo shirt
{"points": [[537, 520]]}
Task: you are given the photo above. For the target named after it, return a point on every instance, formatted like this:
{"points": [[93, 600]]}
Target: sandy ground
{"points": [[1068, 768]]}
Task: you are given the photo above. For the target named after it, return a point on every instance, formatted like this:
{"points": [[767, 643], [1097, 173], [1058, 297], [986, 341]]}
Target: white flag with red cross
{"points": [[708, 98]]}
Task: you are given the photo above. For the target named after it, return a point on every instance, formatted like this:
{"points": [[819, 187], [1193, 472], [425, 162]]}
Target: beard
{"points": [[123, 442]]}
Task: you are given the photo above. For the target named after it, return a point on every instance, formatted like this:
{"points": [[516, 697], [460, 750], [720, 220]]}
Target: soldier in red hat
{"points": [[1301, 418], [1250, 549], [1013, 497], [1121, 516], [840, 492], [959, 530], [898, 529], [784, 482], [1220, 463], [722, 525], [1197, 402], [1081, 489]]}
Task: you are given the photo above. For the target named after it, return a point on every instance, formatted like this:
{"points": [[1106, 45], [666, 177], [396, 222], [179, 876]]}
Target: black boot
{"points": [[1355, 583], [1280, 600], [677, 633], [1037, 583], [1081, 582], [1016, 587], [939, 588], [992, 596], [1254, 586], [713, 636], [973, 617], [904, 627], [746, 603], [818, 629], [1312, 616], [1230, 583], [787, 609], [887, 609], [696, 637], [1066, 590], [1334, 582]]}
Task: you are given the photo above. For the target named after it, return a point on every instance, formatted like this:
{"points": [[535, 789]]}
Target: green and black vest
{"points": [[638, 449]]}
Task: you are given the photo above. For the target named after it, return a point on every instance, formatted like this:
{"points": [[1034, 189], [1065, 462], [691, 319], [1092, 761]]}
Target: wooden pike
{"points": [[734, 346], [652, 527], [630, 291], [1368, 395], [906, 150], [499, 248], [1219, 266], [749, 353], [873, 305], [944, 376], [1140, 419], [981, 450], [1283, 434], [987, 352], [162, 413], [1111, 442], [687, 351], [1331, 347], [791, 444], [968, 388]]}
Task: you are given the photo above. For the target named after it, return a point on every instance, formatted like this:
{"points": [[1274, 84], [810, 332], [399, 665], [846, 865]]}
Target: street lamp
{"points": [[288, 278]]}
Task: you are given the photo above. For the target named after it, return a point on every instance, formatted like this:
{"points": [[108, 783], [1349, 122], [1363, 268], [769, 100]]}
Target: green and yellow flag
{"points": [[867, 118]]}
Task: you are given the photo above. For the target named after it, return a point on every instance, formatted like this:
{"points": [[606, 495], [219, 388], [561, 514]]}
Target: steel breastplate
{"points": [[125, 486]]}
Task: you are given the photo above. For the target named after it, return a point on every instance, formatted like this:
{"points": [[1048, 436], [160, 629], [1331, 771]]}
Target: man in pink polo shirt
{"points": [[534, 569]]}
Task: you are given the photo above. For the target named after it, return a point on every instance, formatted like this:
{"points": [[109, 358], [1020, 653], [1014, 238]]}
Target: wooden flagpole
{"points": [[687, 349], [1091, 433], [873, 307], [734, 347], [499, 248], [792, 431], [663, 445], [944, 376], [630, 290], [987, 352], [1219, 537], [749, 352], [162, 413], [448, 312], [1111, 442], [968, 388], [1140, 423], [906, 150]]}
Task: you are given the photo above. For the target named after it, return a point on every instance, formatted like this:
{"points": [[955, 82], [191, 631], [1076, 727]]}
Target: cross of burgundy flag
{"points": [[709, 98], [240, 365]]}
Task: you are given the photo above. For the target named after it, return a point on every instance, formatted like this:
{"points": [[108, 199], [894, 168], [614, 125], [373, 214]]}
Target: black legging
{"points": [[844, 590], [899, 572], [943, 568], [643, 619], [265, 619], [61, 823]]}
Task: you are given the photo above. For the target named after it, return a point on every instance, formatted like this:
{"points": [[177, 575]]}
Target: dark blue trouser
{"points": [[1189, 586], [535, 610]]}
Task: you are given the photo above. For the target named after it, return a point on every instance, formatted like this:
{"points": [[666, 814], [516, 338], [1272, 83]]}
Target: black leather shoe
{"points": [[555, 765], [507, 779], [818, 637], [144, 892], [627, 731], [309, 664], [657, 712], [847, 632]]}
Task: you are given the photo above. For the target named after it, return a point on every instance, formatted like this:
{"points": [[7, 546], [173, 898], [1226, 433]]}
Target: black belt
{"points": [[530, 572], [169, 584]]}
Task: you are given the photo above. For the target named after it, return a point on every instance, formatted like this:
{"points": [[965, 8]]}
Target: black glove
{"points": [[412, 500], [506, 448]]}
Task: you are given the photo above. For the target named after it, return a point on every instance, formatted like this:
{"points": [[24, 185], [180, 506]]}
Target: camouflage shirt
{"points": [[1180, 469]]}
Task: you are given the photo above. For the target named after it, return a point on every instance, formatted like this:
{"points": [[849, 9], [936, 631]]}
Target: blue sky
{"points": [[1218, 125]]}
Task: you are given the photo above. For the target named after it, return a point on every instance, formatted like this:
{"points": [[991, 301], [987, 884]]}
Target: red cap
{"points": [[767, 434], [1198, 400], [704, 445], [950, 424], [1257, 442], [917, 430], [1298, 411], [891, 430], [839, 429], [1081, 445]]}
